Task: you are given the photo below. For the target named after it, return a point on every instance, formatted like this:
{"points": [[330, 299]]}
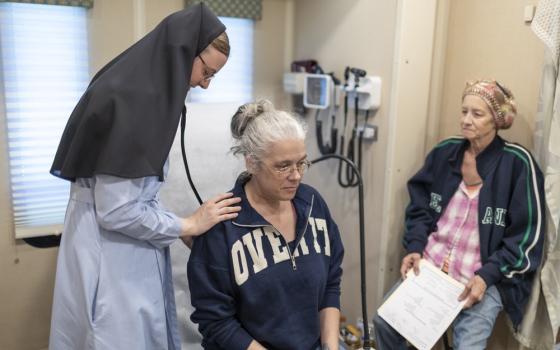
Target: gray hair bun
{"points": [[246, 114]]}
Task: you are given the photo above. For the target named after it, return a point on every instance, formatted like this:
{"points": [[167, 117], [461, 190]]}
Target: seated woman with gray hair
{"points": [[270, 278]]}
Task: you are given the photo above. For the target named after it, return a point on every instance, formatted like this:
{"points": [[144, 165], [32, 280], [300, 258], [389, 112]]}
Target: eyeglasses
{"points": [[288, 169], [208, 73]]}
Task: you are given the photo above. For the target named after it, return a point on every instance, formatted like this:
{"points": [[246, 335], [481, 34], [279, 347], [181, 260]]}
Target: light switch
{"points": [[529, 13]]}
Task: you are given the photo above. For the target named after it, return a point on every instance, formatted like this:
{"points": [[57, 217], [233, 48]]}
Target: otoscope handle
{"points": [[358, 72]]}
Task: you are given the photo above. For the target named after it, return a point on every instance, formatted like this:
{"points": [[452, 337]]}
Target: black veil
{"points": [[125, 122]]}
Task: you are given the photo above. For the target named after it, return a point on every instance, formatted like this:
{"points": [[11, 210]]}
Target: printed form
{"points": [[422, 307]]}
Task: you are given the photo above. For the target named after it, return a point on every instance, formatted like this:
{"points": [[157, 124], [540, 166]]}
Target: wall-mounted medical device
{"points": [[369, 92], [317, 91], [293, 82]]}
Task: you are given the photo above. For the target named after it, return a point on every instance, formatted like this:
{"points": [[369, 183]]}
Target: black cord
{"points": [[350, 177], [334, 132], [360, 184], [183, 123], [353, 152], [342, 138], [360, 134], [361, 141]]}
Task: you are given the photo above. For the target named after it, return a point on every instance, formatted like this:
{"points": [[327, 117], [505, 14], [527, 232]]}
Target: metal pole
{"points": [[367, 340]]}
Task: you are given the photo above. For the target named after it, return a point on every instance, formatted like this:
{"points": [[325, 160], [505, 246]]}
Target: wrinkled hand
{"points": [[474, 291], [412, 260], [211, 212]]}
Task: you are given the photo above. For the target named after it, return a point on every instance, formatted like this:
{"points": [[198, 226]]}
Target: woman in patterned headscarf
{"points": [[476, 211]]}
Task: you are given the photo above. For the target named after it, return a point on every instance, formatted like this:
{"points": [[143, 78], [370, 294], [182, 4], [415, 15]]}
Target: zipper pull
{"points": [[293, 262]]}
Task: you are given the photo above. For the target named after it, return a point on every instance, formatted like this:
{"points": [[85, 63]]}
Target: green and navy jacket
{"points": [[510, 213]]}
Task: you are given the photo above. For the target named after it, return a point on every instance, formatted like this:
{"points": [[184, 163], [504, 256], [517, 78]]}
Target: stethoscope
{"points": [[184, 154]]}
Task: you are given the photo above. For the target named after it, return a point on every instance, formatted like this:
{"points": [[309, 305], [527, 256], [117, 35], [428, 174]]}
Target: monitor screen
{"points": [[317, 91]]}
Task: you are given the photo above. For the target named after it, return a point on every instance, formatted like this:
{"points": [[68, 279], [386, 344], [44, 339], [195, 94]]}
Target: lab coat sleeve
{"points": [[120, 206], [418, 217], [332, 290], [212, 293], [522, 245]]}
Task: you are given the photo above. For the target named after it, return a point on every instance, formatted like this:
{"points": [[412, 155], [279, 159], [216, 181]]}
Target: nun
{"points": [[113, 287]]}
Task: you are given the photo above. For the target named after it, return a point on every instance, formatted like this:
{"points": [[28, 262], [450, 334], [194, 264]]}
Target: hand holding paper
{"points": [[424, 305], [411, 261]]}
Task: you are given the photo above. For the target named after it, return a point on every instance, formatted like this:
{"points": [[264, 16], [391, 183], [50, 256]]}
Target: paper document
{"points": [[423, 306]]}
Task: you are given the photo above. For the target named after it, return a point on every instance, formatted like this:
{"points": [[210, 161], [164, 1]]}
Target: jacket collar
{"points": [[485, 161], [249, 217]]}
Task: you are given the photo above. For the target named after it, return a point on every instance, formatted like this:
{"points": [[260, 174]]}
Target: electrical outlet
{"points": [[369, 132]]}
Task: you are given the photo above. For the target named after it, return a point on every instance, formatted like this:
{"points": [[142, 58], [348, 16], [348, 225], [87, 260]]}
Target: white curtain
{"points": [[542, 318]]}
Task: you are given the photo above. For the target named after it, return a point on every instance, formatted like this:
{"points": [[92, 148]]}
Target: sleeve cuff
{"points": [[177, 226], [331, 300], [415, 247], [172, 232], [490, 273]]}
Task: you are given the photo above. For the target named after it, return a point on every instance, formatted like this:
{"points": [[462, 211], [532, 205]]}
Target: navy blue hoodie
{"points": [[247, 282], [510, 211]]}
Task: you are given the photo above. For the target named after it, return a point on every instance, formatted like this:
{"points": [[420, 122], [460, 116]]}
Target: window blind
{"points": [[251, 9], [82, 3], [234, 82], [44, 61]]}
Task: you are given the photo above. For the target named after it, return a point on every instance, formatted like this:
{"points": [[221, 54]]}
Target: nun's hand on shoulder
{"points": [[211, 212]]}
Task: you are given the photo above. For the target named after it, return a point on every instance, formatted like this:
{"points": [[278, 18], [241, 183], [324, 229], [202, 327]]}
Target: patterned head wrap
{"points": [[499, 99]]}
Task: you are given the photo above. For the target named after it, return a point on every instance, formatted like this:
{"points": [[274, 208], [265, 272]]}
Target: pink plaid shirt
{"points": [[457, 236]]}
